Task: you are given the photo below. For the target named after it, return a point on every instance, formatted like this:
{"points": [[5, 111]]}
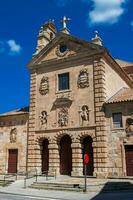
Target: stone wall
{"points": [[16, 140], [118, 137]]}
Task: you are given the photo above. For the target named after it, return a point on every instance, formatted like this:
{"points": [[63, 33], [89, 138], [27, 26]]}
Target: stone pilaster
{"points": [[54, 160], [100, 120], [31, 128], [77, 160]]}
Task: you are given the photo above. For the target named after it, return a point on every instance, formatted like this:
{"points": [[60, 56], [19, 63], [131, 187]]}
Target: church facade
{"points": [[81, 101]]}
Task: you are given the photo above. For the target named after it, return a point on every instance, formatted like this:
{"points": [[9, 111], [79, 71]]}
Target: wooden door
{"points": [[87, 148], [65, 156], [12, 160], [45, 156], [129, 159]]}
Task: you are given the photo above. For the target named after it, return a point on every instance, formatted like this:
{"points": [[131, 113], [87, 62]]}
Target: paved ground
{"points": [[16, 191], [109, 196]]}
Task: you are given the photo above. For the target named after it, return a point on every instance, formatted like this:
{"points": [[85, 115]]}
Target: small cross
{"points": [[64, 22]]}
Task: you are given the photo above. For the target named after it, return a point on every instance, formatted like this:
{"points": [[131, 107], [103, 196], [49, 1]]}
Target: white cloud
{"points": [[61, 3], [106, 11], [14, 47]]}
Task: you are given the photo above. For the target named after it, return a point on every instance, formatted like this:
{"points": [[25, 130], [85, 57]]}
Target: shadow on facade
{"points": [[114, 190]]}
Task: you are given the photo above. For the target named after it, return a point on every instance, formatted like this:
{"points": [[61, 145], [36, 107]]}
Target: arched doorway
{"points": [[87, 148], [65, 155], [45, 155]]}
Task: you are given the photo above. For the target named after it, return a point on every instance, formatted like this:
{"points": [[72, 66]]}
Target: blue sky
{"points": [[20, 22]]}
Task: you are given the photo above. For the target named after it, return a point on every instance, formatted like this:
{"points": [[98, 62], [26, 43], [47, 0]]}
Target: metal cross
{"points": [[64, 22]]}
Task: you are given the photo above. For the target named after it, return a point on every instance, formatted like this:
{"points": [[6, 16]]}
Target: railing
{"points": [[33, 173]]}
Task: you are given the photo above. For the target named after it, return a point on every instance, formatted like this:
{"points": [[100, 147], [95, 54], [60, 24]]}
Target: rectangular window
{"points": [[63, 81], [117, 120]]}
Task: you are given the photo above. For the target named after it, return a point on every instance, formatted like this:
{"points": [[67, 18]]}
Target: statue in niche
{"points": [[83, 79], [43, 118], [13, 135], [84, 113], [44, 86], [63, 117], [129, 126]]}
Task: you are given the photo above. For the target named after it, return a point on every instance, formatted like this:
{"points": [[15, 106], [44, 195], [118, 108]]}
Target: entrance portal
{"points": [[45, 156], [12, 160], [87, 148], [65, 155], [129, 159]]}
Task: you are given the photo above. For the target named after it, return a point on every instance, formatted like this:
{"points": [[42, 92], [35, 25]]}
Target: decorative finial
{"points": [[96, 34], [97, 39], [64, 22]]}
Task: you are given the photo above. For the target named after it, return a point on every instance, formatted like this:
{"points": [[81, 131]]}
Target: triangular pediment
{"points": [[63, 46]]}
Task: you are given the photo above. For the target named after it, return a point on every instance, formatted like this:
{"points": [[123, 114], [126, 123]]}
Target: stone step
{"points": [[5, 183], [107, 187], [52, 186]]}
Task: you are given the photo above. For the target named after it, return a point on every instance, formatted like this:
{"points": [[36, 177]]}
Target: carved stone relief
{"points": [[129, 126], [13, 135], [83, 79], [43, 118], [84, 115], [63, 117], [44, 86]]}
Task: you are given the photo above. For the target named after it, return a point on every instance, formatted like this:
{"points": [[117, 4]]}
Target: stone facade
{"points": [[64, 124], [13, 135]]}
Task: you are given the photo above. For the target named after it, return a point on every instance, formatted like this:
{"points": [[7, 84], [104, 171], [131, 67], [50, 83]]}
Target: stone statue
{"points": [[43, 118], [83, 79], [13, 135], [63, 117], [44, 86], [129, 126], [84, 113]]}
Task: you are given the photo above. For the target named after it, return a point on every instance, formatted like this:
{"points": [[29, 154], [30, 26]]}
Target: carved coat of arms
{"points": [[44, 86], [83, 79]]}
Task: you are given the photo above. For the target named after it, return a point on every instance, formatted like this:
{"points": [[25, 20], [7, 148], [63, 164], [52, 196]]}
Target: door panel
{"points": [[45, 156], [129, 159], [12, 160], [87, 148], [65, 156]]}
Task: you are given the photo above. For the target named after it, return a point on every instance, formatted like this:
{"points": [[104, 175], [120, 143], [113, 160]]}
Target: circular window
{"points": [[63, 48]]}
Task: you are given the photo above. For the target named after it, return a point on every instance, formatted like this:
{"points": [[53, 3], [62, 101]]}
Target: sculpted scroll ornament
{"points": [[83, 79], [13, 135], [63, 117], [44, 86]]}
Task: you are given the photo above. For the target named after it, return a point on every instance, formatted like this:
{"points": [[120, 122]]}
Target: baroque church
{"points": [[81, 101]]}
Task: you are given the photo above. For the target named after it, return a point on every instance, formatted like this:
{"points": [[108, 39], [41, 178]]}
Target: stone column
{"points": [[77, 160], [101, 154], [54, 160], [31, 126]]}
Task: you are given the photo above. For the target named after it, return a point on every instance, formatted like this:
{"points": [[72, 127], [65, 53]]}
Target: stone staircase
{"points": [[58, 186], [77, 185], [5, 183]]}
